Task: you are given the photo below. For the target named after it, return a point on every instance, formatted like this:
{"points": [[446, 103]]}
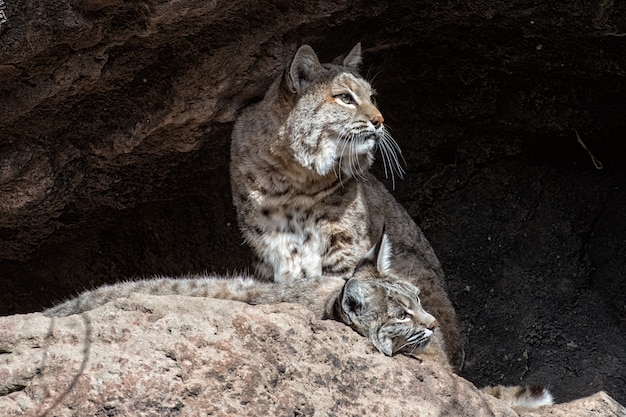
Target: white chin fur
{"points": [[364, 147], [324, 167], [353, 158]]}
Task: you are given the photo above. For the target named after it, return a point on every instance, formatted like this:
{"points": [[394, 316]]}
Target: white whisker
{"points": [[349, 144], [342, 139], [393, 142], [348, 154], [386, 154], [360, 172], [384, 158], [395, 151], [392, 156]]}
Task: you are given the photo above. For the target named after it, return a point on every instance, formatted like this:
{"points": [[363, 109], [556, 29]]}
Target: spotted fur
{"points": [[306, 201]]}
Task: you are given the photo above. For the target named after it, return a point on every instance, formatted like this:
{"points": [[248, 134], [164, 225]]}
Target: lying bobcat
{"points": [[374, 302], [305, 199]]}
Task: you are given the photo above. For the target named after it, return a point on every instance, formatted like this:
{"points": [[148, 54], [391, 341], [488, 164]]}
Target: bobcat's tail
{"points": [[529, 396]]}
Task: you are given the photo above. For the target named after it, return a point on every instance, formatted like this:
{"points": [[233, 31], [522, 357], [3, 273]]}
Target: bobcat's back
{"points": [[246, 289]]}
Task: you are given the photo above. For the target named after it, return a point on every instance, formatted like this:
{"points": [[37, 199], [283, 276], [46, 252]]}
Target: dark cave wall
{"points": [[104, 103], [114, 138]]}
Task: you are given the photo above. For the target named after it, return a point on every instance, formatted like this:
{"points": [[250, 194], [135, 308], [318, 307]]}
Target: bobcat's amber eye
{"points": [[346, 98], [403, 315]]}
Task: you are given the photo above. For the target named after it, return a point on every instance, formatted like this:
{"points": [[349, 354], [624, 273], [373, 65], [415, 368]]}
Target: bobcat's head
{"points": [[333, 124], [384, 308]]}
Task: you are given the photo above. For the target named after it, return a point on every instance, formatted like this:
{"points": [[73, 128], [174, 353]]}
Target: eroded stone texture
{"points": [[147, 355]]}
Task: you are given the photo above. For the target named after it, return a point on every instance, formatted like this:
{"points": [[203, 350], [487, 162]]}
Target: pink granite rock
{"points": [[166, 356]]}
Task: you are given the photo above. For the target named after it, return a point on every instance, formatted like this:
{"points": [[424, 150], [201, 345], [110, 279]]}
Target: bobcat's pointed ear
{"points": [[353, 59], [354, 299], [383, 257], [379, 255], [304, 68]]}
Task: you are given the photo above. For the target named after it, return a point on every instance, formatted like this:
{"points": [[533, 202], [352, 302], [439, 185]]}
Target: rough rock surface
{"points": [[181, 356], [115, 119]]}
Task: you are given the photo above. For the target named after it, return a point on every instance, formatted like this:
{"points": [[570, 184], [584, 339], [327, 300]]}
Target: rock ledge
{"points": [[183, 356]]}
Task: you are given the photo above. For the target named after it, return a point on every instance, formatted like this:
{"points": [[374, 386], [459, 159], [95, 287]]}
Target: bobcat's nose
{"points": [[377, 121], [433, 325]]}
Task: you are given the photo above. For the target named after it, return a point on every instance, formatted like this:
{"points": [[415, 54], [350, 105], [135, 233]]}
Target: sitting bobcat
{"points": [[305, 199], [374, 302]]}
